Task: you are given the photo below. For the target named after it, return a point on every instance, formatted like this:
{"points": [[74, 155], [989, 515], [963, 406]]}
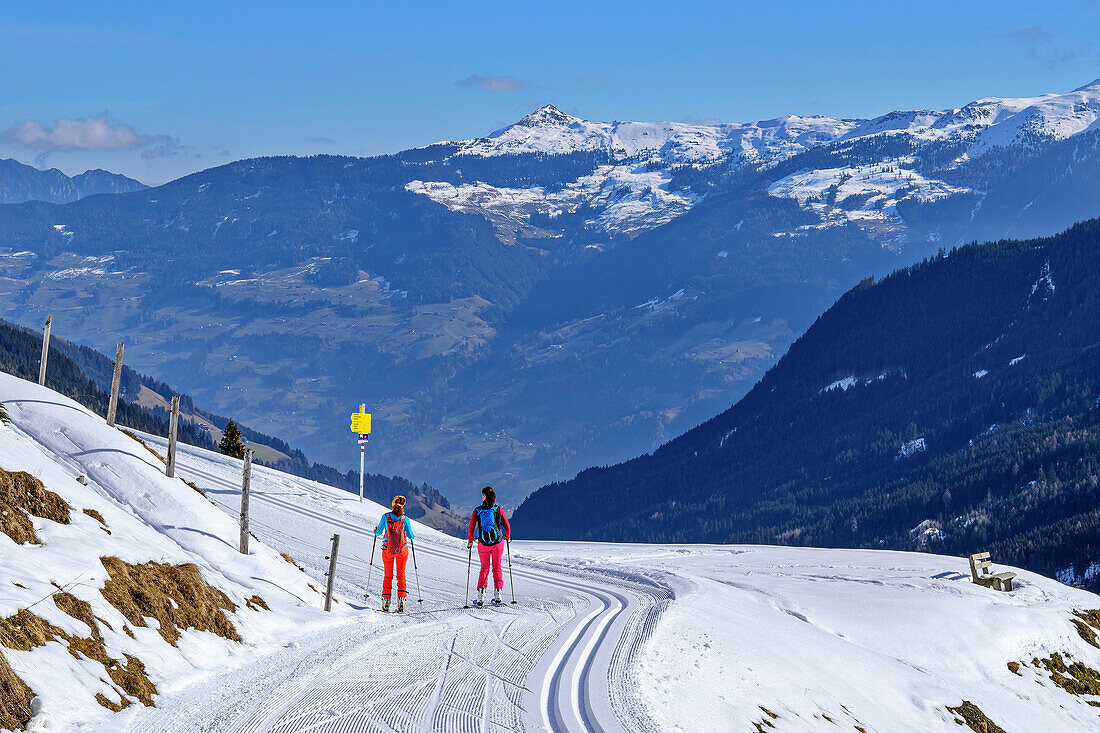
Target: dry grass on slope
{"points": [[23, 496], [1087, 623], [132, 434], [99, 518], [15, 699], [25, 631], [175, 595], [973, 717]]}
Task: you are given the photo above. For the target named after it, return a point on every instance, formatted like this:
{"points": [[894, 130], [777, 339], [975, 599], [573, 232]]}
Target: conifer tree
{"points": [[231, 443], [3, 414]]}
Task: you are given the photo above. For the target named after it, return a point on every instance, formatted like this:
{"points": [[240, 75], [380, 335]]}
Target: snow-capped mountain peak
{"points": [[547, 114]]}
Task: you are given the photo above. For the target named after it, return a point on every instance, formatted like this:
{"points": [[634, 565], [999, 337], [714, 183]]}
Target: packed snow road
{"points": [[558, 659]]}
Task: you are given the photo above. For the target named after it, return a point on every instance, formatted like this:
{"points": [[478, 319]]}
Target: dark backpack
{"points": [[395, 534], [489, 526]]}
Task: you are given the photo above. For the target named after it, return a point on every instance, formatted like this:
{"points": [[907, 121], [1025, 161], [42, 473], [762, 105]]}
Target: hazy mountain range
{"points": [[19, 183], [559, 294]]}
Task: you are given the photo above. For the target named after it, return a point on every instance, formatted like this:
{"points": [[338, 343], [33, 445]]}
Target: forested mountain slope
{"points": [[953, 406]]}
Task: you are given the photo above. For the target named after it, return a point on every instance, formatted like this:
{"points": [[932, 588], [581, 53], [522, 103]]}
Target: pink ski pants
{"points": [[487, 553]]}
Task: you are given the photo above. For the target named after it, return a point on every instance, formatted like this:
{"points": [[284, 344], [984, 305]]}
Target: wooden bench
{"points": [[979, 570]]}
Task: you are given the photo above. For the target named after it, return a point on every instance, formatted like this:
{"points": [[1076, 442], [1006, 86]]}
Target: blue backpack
{"points": [[489, 526]]}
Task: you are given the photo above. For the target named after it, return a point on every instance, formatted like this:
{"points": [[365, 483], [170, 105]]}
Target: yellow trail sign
{"points": [[360, 421]]}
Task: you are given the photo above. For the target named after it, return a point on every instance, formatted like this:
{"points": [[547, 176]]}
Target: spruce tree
{"points": [[231, 444], [3, 414]]}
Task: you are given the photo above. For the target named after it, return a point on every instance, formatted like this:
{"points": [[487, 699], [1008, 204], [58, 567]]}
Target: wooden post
{"points": [[45, 350], [173, 426], [246, 488], [115, 382], [332, 571]]}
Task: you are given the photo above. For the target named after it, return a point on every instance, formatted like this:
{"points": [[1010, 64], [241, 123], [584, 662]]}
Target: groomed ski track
{"points": [[560, 659]]}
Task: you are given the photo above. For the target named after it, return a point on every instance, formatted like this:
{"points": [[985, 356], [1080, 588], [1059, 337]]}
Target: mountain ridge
{"points": [[975, 117]]}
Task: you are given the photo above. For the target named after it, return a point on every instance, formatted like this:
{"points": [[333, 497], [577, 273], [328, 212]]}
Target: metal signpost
{"points": [[360, 423]]}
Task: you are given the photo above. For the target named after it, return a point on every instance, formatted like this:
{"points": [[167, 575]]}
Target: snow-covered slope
{"points": [[1034, 120], [624, 199], [146, 517], [867, 195]]}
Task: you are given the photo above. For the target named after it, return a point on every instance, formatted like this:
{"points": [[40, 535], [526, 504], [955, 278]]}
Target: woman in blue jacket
{"points": [[395, 529]]}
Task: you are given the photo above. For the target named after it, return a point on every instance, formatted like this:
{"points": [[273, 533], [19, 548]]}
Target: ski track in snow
{"points": [[561, 659]]}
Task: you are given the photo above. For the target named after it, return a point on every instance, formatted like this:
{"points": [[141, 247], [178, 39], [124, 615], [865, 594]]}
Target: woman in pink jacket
{"points": [[491, 529]]}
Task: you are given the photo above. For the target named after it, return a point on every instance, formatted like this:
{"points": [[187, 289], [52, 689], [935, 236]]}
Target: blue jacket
{"points": [[380, 531]]}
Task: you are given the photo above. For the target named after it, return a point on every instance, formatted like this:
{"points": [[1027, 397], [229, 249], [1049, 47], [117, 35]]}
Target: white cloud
{"points": [[95, 132]]}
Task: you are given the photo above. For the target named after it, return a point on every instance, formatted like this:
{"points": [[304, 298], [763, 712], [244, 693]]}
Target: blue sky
{"points": [[159, 90]]}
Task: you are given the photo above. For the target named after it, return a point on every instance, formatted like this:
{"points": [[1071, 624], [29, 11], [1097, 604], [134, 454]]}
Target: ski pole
{"points": [[419, 598], [508, 546], [371, 569], [469, 563]]}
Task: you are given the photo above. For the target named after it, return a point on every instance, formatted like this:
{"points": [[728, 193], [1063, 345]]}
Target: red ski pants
{"points": [[388, 561], [493, 553]]}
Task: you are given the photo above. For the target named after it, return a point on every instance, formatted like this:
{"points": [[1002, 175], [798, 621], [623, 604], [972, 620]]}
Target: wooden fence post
{"points": [[116, 380], [246, 488], [173, 426], [45, 350], [332, 571]]}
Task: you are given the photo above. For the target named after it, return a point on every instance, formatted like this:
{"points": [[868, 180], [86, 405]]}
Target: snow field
{"points": [[883, 640]]}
